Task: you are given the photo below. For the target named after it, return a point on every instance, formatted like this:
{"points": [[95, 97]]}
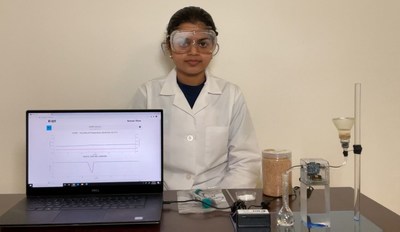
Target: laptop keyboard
{"points": [[92, 202]]}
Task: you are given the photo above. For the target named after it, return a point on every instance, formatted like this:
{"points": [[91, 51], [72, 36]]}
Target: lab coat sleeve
{"points": [[140, 98], [244, 156]]}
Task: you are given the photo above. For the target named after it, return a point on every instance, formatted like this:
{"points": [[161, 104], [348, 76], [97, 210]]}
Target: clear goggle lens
{"points": [[204, 41]]}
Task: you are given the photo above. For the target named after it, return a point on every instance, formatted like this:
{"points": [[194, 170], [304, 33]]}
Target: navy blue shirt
{"points": [[191, 92]]}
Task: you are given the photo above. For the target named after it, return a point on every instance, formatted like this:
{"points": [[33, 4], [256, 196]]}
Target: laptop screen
{"points": [[94, 151]]}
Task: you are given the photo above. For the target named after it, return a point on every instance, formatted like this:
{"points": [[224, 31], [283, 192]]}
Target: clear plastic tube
{"points": [[357, 157], [341, 165]]}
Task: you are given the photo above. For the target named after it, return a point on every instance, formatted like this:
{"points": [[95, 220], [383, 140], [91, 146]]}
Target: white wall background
{"points": [[296, 62]]}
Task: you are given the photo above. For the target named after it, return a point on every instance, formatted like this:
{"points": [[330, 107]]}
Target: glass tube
{"points": [[357, 157]]}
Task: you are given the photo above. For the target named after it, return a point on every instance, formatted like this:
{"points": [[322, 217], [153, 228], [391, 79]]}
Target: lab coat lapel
{"points": [[209, 90], [181, 102], [171, 88], [201, 101]]}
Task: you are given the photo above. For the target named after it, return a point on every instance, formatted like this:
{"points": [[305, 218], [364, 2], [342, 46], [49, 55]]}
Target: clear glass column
{"points": [[357, 154]]}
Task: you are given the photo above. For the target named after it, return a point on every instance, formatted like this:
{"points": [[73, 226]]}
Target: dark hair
{"points": [[190, 14]]}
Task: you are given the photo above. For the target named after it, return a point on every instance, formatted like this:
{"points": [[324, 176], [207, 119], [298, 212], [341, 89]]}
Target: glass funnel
{"points": [[344, 125]]}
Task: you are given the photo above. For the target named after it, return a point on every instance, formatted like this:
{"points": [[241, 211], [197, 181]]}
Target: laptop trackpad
{"points": [[79, 216]]}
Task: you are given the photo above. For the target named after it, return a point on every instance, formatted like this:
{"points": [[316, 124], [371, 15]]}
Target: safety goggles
{"points": [[204, 41]]}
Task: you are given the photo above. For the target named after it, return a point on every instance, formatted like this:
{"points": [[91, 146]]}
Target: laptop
{"points": [[91, 167]]}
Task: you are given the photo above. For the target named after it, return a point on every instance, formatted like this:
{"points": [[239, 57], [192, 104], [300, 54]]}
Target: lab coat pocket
{"points": [[216, 145]]}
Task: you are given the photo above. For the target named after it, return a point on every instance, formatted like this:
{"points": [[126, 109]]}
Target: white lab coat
{"points": [[212, 145]]}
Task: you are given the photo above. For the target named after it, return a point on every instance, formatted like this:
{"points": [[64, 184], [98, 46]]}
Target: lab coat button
{"points": [[188, 176], [190, 138]]}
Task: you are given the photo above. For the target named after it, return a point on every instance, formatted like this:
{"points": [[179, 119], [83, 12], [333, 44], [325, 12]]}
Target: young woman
{"points": [[209, 139]]}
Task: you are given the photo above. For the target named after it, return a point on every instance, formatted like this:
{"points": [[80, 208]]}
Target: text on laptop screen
{"points": [[79, 148]]}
